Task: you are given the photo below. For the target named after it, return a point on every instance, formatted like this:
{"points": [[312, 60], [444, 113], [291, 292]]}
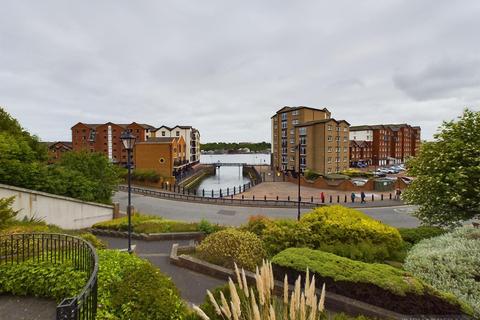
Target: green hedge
{"points": [[336, 229], [41, 279], [450, 262], [231, 246], [375, 283], [415, 235], [131, 288], [145, 176]]}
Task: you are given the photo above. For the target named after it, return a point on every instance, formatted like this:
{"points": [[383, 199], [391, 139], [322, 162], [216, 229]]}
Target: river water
{"points": [[228, 177]]}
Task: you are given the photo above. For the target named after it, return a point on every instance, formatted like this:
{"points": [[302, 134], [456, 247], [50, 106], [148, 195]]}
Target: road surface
{"points": [[234, 216]]}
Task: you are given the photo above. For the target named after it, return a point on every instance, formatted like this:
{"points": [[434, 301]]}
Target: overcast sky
{"points": [[225, 67]]}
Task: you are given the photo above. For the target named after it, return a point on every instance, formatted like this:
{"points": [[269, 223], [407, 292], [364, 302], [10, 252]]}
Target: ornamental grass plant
{"points": [[258, 302]]}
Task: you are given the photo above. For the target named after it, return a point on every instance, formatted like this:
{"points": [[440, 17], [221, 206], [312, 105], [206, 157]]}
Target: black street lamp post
{"points": [[128, 140], [299, 170]]}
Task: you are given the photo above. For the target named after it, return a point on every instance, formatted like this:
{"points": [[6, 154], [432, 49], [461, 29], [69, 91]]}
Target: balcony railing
{"points": [[58, 249]]}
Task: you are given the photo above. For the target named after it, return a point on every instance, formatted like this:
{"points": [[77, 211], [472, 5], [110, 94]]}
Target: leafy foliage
{"points": [[336, 229], [144, 175], [448, 171], [207, 227], [415, 235], [131, 288], [7, 214], [450, 262], [231, 246], [41, 279]]}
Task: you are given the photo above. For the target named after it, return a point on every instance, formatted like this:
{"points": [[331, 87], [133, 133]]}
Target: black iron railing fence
{"points": [[58, 249]]}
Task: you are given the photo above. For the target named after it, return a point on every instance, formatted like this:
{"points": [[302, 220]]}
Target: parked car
{"points": [[359, 182], [379, 174]]}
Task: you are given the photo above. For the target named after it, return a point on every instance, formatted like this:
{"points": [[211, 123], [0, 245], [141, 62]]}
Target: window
{"points": [[338, 128], [284, 125], [345, 129], [329, 128], [329, 160], [292, 150], [177, 133], [292, 132], [284, 116], [163, 133], [329, 149], [330, 138], [292, 158], [302, 131], [294, 122], [345, 138], [337, 138], [295, 113], [292, 141]]}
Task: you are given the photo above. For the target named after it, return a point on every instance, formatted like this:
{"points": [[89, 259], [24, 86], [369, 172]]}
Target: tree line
{"points": [[234, 146]]}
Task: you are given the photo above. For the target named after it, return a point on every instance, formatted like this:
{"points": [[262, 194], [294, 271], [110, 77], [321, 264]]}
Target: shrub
{"points": [[207, 227], [378, 284], [256, 224], [147, 224], [311, 175], [414, 235], [340, 227], [145, 175], [450, 262], [94, 241], [285, 233], [355, 173], [41, 279], [131, 288], [7, 214], [228, 246]]}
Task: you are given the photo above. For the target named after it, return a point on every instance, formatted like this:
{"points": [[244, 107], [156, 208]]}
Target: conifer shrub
{"points": [[231, 246]]}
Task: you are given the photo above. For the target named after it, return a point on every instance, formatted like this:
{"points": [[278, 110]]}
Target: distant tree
{"points": [[447, 171]]}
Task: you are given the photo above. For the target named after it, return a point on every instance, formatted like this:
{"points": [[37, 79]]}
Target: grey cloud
{"points": [[225, 67], [442, 79]]}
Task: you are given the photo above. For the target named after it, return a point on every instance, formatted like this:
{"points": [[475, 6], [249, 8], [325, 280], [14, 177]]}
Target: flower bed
{"points": [[155, 224], [377, 284], [450, 262]]}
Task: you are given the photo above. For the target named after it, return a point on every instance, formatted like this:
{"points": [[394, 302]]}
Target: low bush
{"points": [[131, 288], [41, 279], [355, 173], [414, 235], [94, 241], [336, 229], [377, 284], [207, 227], [228, 246], [151, 224], [311, 175], [450, 262], [145, 176]]}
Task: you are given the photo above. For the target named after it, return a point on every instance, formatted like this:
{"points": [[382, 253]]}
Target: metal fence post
{"points": [[311, 199], [390, 196], [373, 197], [381, 197], [228, 191], [288, 198], [203, 192], [212, 193], [265, 198]]}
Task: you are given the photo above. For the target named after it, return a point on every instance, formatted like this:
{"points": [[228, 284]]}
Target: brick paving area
{"points": [[285, 189]]}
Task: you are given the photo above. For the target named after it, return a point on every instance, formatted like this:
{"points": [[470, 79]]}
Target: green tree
{"points": [[7, 214], [447, 171], [100, 175]]}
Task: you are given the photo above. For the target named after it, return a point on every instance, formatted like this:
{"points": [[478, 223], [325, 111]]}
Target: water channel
{"points": [[228, 177]]}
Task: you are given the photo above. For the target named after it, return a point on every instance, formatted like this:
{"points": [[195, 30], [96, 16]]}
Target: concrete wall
{"points": [[67, 213]]}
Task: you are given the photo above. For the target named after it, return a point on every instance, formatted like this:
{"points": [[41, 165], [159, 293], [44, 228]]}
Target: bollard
{"points": [[228, 191], [338, 199], [234, 189], [277, 198], [373, 197], [330, 198], [345, 198], [188, 191], [243, 197], [183, 191], [253, 197], [203, 192], [231, 197], [288, 198], [212, 193], [390, 196], [311, 199], [323, 200], [265, 198], [381, 197]]}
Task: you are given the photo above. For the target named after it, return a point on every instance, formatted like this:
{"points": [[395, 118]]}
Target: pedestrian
{"points": [[353, 197], [397, 194], [322, 197], [362, 196]]}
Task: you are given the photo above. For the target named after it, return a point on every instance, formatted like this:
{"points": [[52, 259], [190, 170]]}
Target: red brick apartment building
{"points": [[390, 143], [57, 149], [360, 152], [105, 138]]}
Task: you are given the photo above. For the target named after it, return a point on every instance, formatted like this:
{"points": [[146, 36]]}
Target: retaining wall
{"points": [[67, 213]]}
